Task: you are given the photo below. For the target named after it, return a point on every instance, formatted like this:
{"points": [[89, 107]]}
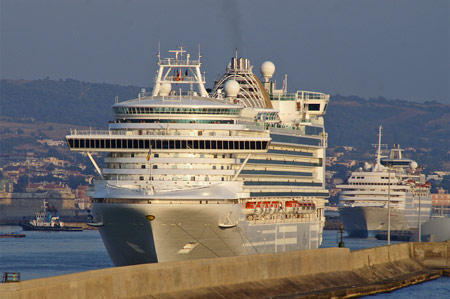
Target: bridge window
{"points": [[314, 107]]}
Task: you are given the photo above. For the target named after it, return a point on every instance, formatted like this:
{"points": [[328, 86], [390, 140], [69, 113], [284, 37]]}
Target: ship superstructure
{"points": [[188, 175], [394, 183]]}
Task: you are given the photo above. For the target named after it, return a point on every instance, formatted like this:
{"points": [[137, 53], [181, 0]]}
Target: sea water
{"points": [[45, 254]]}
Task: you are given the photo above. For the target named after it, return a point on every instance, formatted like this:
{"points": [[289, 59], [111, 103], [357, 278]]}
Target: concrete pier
{"points": [[319, 273]]}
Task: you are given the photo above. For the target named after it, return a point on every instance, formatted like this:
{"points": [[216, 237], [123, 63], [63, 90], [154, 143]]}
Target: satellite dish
{"points": [[267, 70], [165, 89], [413, 165], [231, 88]]}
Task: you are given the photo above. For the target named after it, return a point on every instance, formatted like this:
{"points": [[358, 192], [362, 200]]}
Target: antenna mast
{"points": [[159, 51], [379, 148]]}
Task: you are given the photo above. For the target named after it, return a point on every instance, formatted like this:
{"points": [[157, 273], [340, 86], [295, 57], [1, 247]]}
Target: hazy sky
{"points": [[390, 48]]}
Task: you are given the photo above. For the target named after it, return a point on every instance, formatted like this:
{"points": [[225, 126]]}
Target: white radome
{"points": [[231, 88], [413, 165], [267, 70], [165, 89]]}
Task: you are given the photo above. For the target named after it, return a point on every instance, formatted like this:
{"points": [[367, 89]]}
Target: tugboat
{"points": [[47, 219]]}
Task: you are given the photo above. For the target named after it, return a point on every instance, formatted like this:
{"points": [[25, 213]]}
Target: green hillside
{"points": [[64, 101], [355, 121]]}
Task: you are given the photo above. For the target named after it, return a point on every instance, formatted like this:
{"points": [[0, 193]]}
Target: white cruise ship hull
{"points": [[196, 231], [364, 222]]}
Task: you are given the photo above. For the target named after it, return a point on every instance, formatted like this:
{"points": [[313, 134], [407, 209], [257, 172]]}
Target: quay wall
{"points": [[302, 272]]}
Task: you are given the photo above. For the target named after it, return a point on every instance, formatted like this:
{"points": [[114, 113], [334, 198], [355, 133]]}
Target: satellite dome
{"points": [[267, 70], [231, 88], [165, 89], [413, 165]]}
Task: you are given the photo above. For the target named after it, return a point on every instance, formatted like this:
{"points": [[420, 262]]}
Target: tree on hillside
{"points": [[74, 181]]}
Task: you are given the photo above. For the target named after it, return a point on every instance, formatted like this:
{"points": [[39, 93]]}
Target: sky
{"points": [[397, 49]]}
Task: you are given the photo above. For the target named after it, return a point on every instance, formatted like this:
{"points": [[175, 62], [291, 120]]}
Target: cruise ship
{"points": [[191, 174], [394, 183]]}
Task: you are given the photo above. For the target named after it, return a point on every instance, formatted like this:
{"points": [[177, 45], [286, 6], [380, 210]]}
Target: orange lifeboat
{"points": [[250, 207], [290, 206]]}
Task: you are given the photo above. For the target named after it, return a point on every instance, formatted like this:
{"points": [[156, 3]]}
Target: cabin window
{"points": [[314, 107]]}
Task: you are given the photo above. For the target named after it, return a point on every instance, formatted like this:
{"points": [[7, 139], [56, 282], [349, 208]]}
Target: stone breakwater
{"points": [[319, 273]]}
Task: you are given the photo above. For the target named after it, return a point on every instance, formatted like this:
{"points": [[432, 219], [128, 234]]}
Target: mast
{"points": [[378, 164], [179, 70], [379, 145]]}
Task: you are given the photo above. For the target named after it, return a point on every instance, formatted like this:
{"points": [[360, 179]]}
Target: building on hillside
{"points": [[51, 142], [6, 186], [348, 163], [349, 148], [82, 199], [441, 202], [14, 206], [330, 161], [55, 161], [435, 177]]}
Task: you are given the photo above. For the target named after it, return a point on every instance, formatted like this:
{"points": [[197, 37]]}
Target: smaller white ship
{"points": [[394, 183]]}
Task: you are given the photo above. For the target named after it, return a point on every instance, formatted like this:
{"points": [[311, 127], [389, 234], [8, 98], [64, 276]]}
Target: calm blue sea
{"points": [[44, 254]]}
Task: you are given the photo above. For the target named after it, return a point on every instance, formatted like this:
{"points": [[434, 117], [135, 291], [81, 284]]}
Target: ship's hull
{"points": [[160, 232], [364, 222], [434, 230], [30, 227]]}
